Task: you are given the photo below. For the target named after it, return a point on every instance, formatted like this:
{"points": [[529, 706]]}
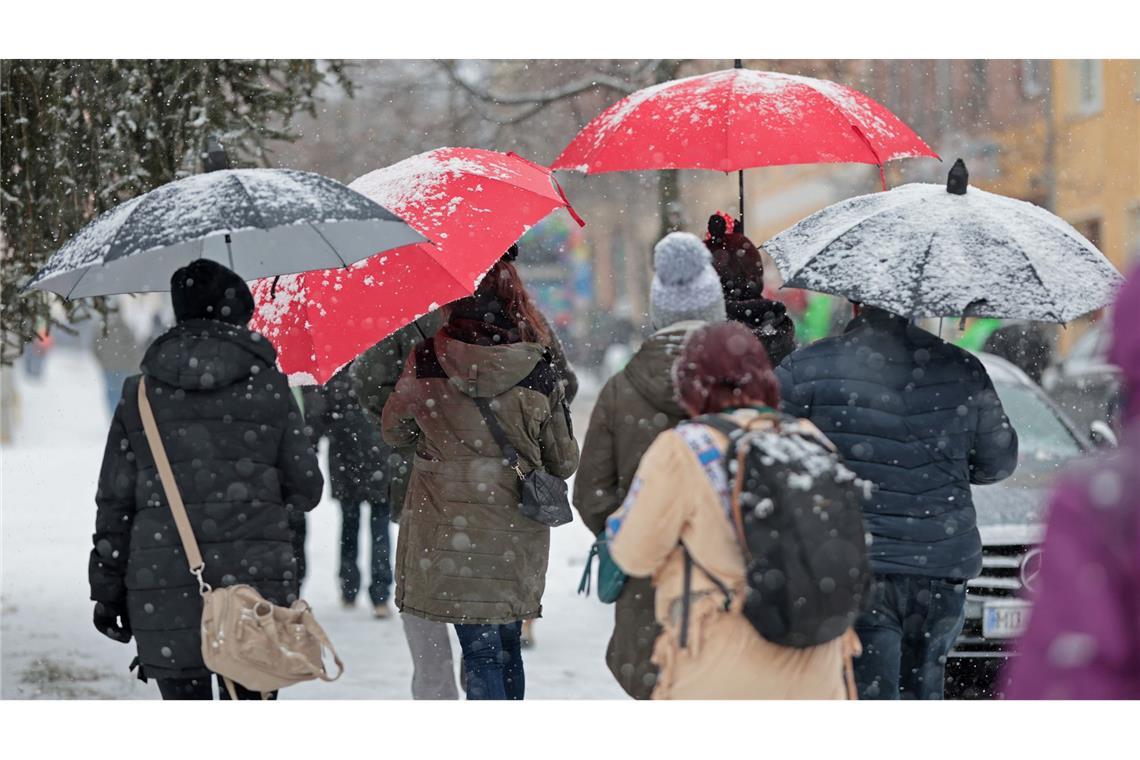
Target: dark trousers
{"points": [[907, 634], [380, 568], [202, 688], [492, 660], [300, 530]]}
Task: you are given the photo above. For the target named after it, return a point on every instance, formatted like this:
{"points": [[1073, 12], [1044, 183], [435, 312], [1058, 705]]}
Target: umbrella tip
{"points": [[958, 179], [214, 156]]}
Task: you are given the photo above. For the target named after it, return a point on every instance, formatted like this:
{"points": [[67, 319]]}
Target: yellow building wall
{"points": [[1098, 154]]}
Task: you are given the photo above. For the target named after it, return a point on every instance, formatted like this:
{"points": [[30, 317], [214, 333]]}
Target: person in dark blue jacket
{"points": [[920, 419]]}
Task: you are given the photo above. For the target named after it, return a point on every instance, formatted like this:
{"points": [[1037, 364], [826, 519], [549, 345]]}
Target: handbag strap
{"points": [[497, 432], [170, 487]]}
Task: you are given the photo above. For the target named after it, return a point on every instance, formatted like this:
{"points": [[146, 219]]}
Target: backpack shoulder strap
{"points": [[686, 593]]}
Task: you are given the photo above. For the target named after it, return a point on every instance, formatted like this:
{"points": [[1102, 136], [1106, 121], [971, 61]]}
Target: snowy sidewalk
{"points": [[49, 648]]}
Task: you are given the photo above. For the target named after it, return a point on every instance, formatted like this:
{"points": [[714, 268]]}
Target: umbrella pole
{"points": [[741, 181], [230, 251], [738, 63]]}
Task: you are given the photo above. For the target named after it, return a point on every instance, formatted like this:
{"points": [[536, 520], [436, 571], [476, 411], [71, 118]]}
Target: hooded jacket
{"points": [[918, 418], [376, 372], [465, 554], [633, 408], [242, 460]]}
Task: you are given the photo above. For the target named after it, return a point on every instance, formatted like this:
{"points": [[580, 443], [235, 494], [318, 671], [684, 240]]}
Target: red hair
{"points": [[723, 365]]}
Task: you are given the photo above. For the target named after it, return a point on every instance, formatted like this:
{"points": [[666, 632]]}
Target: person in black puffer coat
{"points": [[740, 267], [920, 419], [243, 462], [358, 473]]}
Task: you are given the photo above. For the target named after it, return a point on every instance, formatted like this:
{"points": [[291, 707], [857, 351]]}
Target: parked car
{"points": [[1085, 384], [1012, 524]]}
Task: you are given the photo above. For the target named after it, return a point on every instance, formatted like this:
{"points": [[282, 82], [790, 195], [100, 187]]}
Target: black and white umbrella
{"points": [[257, 222], [925, 250]]}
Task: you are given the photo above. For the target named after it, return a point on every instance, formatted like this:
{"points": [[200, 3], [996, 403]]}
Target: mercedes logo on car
{"points": [[1031, 568]]}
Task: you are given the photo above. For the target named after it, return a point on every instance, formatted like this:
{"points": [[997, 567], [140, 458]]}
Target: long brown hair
{"points": [[502, 290]]}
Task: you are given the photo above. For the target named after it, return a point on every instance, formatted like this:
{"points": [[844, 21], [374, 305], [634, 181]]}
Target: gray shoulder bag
{"points": [[542, 496]]}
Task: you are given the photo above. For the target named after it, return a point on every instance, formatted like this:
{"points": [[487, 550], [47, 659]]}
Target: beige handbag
{"points": [[245, 638]]}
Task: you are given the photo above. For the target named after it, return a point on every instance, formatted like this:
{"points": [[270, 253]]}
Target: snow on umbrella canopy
{"points": [[470, 204], [925, 250], [257, 222], [736, 119]]}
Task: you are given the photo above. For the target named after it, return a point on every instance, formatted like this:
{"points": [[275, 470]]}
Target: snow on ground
{"points": [[50, 649]]}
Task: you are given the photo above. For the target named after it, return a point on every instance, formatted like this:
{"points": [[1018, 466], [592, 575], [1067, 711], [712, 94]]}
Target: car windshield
{"points": [[1042, 437]]}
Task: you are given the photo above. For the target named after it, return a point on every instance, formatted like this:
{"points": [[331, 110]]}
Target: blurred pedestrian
{"points": [[740, 266], [1083, 639], [679, 503], [633, 408], [465, 555], [118, 349], [243, 462], [358, 463], [1026, 345], [918, 418]]}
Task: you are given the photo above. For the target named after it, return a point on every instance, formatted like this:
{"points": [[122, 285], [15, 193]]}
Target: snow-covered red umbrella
{"points": [[471, 205], [737, 119]]}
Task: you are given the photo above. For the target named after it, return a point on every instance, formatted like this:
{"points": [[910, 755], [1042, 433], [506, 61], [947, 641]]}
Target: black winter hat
{"points": [[204, 289]]}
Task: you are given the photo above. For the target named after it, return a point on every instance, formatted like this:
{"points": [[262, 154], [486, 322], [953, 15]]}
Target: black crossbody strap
{"points": [[687, 592], [509, 451]]}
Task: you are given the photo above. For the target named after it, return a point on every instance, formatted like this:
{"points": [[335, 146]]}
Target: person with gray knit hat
{"points": [[685, 285], [633, 408]]}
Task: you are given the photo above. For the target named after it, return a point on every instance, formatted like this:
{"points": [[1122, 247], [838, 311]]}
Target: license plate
{"points": [[1004, 620]]}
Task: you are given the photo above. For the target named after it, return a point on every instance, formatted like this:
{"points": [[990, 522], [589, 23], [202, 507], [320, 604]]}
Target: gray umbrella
{"points": [[923, 250], [257, 222]]}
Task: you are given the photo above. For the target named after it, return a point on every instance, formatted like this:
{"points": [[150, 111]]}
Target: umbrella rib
{"points": [[252, 202], [114, 238], [1044, 287], [76, 285], [343, 263], [1033, 270], [915, 290]]}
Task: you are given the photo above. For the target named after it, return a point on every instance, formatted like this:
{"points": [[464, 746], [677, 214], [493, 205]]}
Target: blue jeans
{"points": [[492, 659], [907, 634]]}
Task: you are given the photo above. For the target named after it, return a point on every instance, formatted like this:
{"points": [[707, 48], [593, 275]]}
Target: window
{"points": [[1033, 78], [1087, 87]]}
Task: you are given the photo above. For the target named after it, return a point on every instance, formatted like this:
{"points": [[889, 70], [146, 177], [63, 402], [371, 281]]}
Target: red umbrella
{"points": [[736, 119], [470, 204]]}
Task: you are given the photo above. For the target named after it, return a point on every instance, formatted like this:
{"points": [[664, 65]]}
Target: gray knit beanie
{"points": [[685, 285]]}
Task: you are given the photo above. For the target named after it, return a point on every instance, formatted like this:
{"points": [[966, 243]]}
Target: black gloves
{"points": [[107, 617]]}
